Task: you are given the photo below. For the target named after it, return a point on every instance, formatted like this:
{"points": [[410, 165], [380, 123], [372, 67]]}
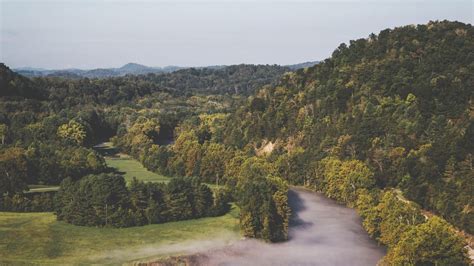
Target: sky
{"points": [[56, 34]]}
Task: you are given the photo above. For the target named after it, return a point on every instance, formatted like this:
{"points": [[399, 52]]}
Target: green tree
{"points": [[396, 217], [343, 179], [3, 133], [232, 168], [13, 171], [73, 132], [203, 200], [142, 133], [93, 200], [367, 208], [431, 243], [213, 162], [179, 196], [291, 166], [263, 200], [188, 150]]}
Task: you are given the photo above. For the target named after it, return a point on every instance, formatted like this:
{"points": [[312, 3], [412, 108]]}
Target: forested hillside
{"points": [[401, 101], [101, 104], [384, 119], [237, 79], [49, 125]]}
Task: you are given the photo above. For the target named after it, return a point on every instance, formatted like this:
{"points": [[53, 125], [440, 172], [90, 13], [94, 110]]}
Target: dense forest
{"points": [[400, 101], [49, 126], [385, 125], [102, 200], [394, 110]]}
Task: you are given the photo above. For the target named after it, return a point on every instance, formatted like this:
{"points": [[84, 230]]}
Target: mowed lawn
{"points": [[41, 188], [133, 168], [130, 168], [37, 238]]}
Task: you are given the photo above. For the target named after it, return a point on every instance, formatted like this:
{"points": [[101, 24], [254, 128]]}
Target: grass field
{"points": [[133, 168], [37, 238], [41, 188], [130, 168], [126, 165]]}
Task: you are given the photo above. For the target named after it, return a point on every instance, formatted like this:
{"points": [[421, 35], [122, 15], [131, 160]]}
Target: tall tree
{"points": [[73, 132], [13, 171]]}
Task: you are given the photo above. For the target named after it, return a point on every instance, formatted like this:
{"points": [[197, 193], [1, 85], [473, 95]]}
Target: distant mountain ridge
{"points": [[235, 79], [127, 69], [303, 65]]}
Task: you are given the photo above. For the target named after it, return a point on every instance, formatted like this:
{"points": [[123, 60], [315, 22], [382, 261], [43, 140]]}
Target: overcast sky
{"points": [[108, 33]]}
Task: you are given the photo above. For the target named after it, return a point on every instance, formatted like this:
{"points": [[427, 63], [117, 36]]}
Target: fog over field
{"points": [[237, 132], [322, 232], [155, 251]]}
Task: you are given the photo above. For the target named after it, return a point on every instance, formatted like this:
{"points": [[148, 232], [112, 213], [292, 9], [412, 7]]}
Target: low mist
{"points": [[322, 232]]}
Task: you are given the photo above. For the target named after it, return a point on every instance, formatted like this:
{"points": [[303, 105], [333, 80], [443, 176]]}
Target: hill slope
{"points": [[402, 101]]}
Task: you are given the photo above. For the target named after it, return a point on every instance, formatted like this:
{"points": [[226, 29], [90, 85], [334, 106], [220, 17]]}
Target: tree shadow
{"points": [[297, 205], [106, 151]]}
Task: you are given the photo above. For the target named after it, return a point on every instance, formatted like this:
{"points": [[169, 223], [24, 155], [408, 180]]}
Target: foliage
{"points": [[292, 166], [53, 118], [400, 101], [28, 202], [142, 133], [394, 221], [392, 111], [39, 238], [104, 200], [73, 132], [93, 200], [342, 180], [213, 162], [13, 171], [50, 164], [431, 243], [263, 201]]}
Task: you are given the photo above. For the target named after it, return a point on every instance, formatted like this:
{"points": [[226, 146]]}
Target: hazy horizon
{"points": [[106, 33]]}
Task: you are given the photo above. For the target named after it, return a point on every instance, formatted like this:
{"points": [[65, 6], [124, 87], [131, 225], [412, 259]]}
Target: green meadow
{"points": [[37, 238], [130, 168], [126, 165]]}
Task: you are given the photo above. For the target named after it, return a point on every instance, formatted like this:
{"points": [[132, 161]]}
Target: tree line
{"points": [[105, 200], [28, 202], [45, 164]]}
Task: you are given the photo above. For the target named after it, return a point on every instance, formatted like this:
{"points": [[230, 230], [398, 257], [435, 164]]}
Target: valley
{"points": [[364, 158], [322, 232], [37, 238]]}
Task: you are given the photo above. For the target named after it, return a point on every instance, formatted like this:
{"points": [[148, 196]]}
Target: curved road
{"points": [[322, 232]]}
